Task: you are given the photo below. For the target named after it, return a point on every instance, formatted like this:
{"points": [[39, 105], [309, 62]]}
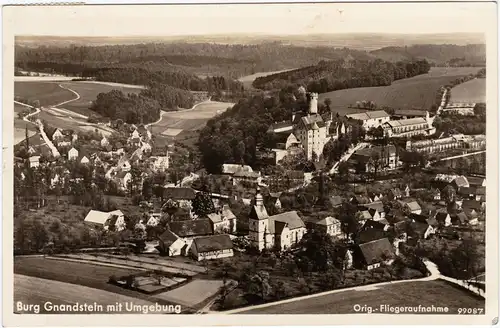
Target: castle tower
{"points": [[258, 230], [313, 103]]}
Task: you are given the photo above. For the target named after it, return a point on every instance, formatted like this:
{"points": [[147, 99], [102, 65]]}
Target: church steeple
{"points": [[259, 200]]}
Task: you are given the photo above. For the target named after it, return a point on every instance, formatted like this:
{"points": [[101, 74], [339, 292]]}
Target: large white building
{"points": [[309, 132], [280, 231], [409, 127], [372, 119]]}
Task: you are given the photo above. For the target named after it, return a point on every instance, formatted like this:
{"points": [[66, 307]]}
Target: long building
{"points": [[372, 119], [457, 141], [409, 127]]}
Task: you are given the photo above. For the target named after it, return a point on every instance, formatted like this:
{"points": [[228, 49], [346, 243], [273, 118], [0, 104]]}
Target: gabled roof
{"points": [[441, 217], [461, 181], [406, 122], [475, 181], [369, 234], [376, 251], [233, 168], [312, 122], [213, 243], [168, 238], [97, 217], [378, 206], [410, 112], [121, 174], [179, 193], [363, 215], [480, 191], [396, 192], [471, 203], [413, 206], [368, 115], [191, 228], [291, 218], [329, 220], [466, 191]]}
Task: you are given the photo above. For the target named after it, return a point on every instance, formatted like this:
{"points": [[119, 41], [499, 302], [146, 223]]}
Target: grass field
{"points": [[192, 293], [20, 125], [37, 291], [172, 123], [89, 275], [437, 293], [88, 92], [48, 93], [416, 92], [470, 91], [248, 79]]}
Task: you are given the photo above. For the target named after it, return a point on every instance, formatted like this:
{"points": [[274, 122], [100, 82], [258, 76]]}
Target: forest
{"points": [[329, 76]]}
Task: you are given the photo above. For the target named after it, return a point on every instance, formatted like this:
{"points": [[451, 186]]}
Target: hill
{"points": [[442, 54], [418, 92]]}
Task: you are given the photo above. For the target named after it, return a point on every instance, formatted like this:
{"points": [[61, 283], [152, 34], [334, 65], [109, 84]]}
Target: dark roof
{"points": [[360, 199], [466, 191], [310, 120], [295, 175], [378, 206], [480, 191], [369, 234], [423, 219], [372, 224], [475, 181], [190, 228], [369, 152], [471, 203], [441, 217], [376, 251], [291, 218], [396, 192], [460, 218], [168, 238], [180, 193], [213, 243]]}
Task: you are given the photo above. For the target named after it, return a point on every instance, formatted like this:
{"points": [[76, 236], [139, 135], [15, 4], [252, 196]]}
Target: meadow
{"points": [[470, 91], [47, 93], [20, 125], [418, 92], [248, 79], [425, 293]]}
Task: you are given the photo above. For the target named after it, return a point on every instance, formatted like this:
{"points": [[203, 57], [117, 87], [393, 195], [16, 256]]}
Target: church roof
{"points": [[292, 219]]}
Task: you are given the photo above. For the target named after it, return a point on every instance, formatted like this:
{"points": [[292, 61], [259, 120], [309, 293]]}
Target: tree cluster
{"points": [[335, 75]]}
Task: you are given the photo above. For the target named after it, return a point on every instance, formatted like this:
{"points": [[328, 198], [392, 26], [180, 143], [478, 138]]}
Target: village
{"points": [[370, 220]]}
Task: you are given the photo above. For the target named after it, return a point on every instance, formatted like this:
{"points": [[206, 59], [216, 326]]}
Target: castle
{"points": [[309, 132]]}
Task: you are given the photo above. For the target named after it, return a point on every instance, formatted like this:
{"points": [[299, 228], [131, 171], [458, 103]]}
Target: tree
{"points": [[317, 249], [203, 204], [343, 169], [347, 217], [448, 194]]}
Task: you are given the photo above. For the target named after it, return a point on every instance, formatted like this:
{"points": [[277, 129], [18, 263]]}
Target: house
{"points": [[459, 219], [382, 225], [360, 200], [122, 179], [409, 127], [376, 158], [104, 142], [394, 193], [223, 220], [476, 181], [407, 191], [212, 247], [436, 194], [460, 182], [57, 135], [363, 216], [34, 161], [135, 134], [480, 193], [469, 204], [72, 154], [372, 254], [329, 225], [375, 206], [368, 233], [160, 162], [249, 177], [170, 244], [153, 221], [182, 195], [413, 207], [423, 226], [375, 197], [104, 220], [372, 119], [443, 218], [281, 231], [188, 230], [472, 216], [231, 169]]}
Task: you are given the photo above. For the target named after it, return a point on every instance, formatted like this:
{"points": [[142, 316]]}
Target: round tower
{"points": [[313, 103]]}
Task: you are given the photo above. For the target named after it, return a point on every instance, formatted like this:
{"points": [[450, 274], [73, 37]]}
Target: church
{"points": [[308, 132], [281, 231]]}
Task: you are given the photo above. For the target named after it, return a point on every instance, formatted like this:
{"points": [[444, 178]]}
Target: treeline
{"points": [[217, 59], [144, 107], [341, 74], [438, 54]]}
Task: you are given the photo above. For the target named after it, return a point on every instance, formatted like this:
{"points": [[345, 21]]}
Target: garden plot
{"points": [[192, 293]]}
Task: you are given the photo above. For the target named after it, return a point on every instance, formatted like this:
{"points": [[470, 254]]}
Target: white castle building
{"points": [[309, 132]]}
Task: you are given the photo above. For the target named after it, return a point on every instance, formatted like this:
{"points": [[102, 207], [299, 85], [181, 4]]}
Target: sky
{"points": [[163, 20]]}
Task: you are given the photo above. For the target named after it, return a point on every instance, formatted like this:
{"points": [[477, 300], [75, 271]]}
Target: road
{"points": [[347, 155], [343, 300]]}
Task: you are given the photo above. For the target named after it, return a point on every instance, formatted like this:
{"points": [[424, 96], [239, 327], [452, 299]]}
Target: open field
{"points": [[37, 291], [88, 92], [48, 93], [192, 293], [20, 125], [470, 91], [416, 92], [428, 293], [173, 123], [248, 79], [84, 274]]}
